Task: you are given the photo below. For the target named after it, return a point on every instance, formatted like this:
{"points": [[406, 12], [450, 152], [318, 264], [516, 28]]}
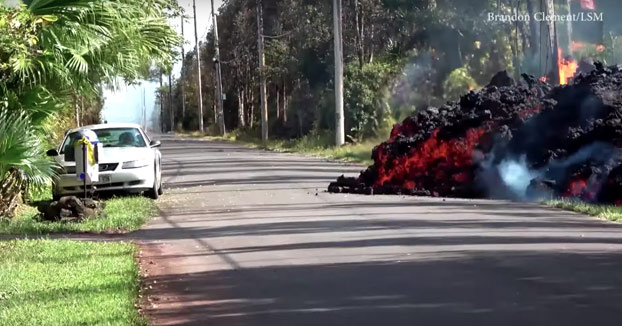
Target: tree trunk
{"points": [[278, 102], [534, 32], [82, 121], [10, 191], [251, 113], [284, 104], [241, 122], [358, 20], [76, 109], [371, 45]]}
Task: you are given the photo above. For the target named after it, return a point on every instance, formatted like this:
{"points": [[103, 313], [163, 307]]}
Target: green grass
{"points": [[312, 144], [44, 282], [612, 213], [124, 214]]}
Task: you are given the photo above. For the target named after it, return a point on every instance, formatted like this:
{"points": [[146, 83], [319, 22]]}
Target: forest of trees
{"points": [[399, 56]]}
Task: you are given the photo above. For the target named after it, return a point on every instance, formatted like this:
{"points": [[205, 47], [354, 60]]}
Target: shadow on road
{"points": [[545, 289]]}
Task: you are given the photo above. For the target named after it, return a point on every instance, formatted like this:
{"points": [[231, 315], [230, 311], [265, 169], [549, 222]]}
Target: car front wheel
{"points": [[156, 190]]}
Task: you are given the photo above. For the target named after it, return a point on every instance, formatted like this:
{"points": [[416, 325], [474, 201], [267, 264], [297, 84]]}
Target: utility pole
{"points": [[183, 58], [170, 100], [196, 46], [219, 106], [144, 109], [161, 103], [262, 74], [337, 31]]}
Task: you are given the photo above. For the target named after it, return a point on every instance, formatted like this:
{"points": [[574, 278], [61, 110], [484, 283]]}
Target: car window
{"points": [[113, 137]]}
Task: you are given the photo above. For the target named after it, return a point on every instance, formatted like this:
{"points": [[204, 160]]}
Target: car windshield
{"points": [[113, 137]]}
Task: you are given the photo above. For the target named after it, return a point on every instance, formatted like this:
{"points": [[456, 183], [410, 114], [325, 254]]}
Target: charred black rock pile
{"points": [[70, 209], [525, 140]]}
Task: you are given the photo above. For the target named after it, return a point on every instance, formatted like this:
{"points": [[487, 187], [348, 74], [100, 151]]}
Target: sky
{"points": [[125, 104]]}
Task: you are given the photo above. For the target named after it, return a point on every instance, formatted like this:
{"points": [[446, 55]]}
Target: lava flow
{"points": [[516, 140], [434, 160]]}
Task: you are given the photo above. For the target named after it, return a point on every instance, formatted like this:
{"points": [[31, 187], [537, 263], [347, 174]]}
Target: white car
{"points": [[130, 162]]}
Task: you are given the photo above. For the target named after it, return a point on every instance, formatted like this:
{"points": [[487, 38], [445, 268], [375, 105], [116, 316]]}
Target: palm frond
{"points": [[21, 149]]}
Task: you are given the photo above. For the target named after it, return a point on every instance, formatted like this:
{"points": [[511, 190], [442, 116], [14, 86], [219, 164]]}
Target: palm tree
{"points": [[20, 159], [59, 49]]}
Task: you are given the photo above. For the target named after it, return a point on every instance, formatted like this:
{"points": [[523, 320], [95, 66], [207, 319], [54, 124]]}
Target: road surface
{"points": [[249, 237]]}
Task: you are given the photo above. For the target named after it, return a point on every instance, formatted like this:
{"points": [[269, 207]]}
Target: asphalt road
{"points": [[249, 237]]}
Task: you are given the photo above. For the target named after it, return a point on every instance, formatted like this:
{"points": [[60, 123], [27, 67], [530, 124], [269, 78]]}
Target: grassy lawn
{"points": [[313, 145], [45, 282], [612, 213], [124, 214]]}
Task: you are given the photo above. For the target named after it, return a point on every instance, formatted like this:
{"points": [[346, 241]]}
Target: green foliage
{"points": [[20, 149], [366, 98], [458, 83], [46, 282]]}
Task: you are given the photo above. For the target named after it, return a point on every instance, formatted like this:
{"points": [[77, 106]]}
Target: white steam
{"points": [[516, 176]]}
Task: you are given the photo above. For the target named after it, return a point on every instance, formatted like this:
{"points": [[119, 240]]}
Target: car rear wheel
{"points": [[160, 189]]}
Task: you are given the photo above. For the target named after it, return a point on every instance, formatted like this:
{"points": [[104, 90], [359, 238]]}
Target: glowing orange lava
{"points": [[435, 158], [567, 67]]}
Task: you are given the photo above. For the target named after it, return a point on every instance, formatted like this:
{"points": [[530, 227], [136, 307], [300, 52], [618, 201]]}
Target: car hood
{"points": [[117, 155], [125, 154]]}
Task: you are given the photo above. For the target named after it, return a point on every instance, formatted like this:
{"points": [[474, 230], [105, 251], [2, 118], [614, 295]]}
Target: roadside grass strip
{"points": [[124, 214], [611, 213], [62, 282], [313, 145]]}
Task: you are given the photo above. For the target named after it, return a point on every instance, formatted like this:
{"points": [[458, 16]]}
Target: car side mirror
{"points": [[155, 143], [52, 153]]}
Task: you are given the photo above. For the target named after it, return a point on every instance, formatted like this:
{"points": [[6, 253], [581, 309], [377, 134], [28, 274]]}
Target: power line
{"points": [[276, 36], [206, 29]]}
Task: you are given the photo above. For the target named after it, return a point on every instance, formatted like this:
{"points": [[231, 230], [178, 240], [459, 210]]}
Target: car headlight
{"points": [[135, 164]]}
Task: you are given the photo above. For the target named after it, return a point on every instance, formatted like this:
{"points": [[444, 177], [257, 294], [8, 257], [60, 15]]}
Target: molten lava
{"points": [[435, 158], [576, 188], [463, 148], [580, 188], [567, 67]]}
